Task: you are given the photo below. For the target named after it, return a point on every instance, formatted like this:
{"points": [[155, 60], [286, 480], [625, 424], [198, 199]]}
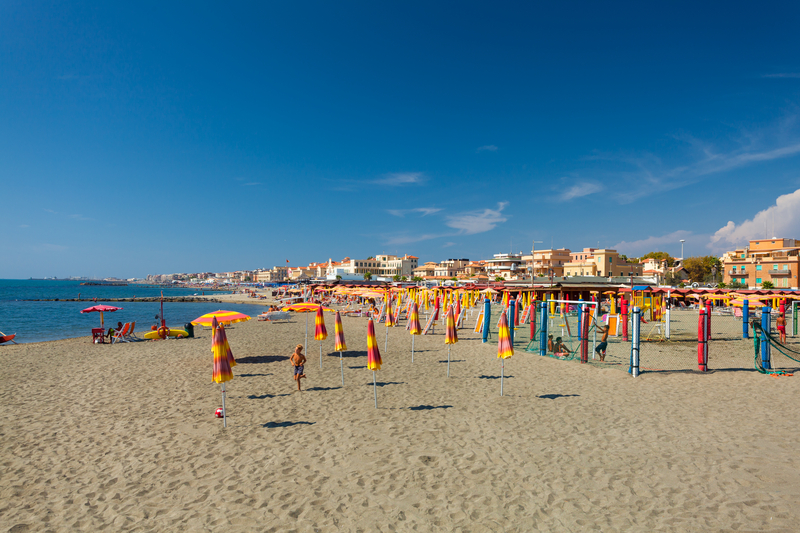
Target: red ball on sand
{"points": [[218, 412]]}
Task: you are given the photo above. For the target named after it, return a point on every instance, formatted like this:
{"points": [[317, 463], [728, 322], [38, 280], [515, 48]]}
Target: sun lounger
{"points": [[275, 316], [131, 336], [119, 336]]}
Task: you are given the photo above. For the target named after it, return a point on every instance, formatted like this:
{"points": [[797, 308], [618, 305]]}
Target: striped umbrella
{"points": [[389, 322], [223, 362], [413, 326], [222, 317], [305, 307], [373, 356], [504, 347], [458, 311], [320, 333], [340, 345], [450, 334]]}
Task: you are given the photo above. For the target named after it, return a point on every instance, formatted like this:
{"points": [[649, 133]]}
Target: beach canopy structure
{"points": [[222, 317], [223, 361], [101, 309]]}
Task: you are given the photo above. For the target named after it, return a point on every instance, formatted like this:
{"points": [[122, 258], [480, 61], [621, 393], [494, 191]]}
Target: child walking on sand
{"points": [[298, 361]]}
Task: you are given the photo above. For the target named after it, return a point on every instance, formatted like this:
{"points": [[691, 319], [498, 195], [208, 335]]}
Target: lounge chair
{"points": [[7, 338], [131, 336], [119, 336]]}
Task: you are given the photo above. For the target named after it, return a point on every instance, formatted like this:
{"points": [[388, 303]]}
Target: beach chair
{"points": [[119, 336], [131, 336]]}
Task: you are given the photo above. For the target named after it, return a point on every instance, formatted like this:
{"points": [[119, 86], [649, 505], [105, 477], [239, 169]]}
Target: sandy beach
{"points": [[123, 438]]}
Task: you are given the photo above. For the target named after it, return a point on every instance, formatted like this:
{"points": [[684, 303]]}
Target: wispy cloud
{"points": [[479, 221], [448, 244], [80, 217], [24, 226], [487, 148], [251, 183], [47, 247], [669, 242], [50, 211], [423, 211], [779, 220], [582, 188], [398, 179], [408, 239], [782, 75]]}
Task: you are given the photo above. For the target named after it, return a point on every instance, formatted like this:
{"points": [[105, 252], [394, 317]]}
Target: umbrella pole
{"points": [[341, 364], [224, 413], [502, 374], [305, 344], [412, 348], [386, 344], [448, 360], [320, 355], [375, 388]]}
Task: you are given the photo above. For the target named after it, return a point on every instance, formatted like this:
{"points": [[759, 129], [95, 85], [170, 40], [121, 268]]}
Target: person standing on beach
{"points": [[298, 361], [781, 324], [601, 348]]}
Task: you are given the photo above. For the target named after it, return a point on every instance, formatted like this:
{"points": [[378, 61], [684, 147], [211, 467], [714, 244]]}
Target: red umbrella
{"points": [[101, 309]]}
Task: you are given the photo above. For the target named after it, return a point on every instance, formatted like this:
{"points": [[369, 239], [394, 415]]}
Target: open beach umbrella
{"points": [[373, 356], [222, 317], [101, 309], [320, 333], [340, 345], [413, 326], [504, 347], [305, 307], [223, 361], [450, 334]]}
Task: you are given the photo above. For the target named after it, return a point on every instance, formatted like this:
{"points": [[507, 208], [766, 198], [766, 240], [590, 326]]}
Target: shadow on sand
{"points": [[286, 424]]}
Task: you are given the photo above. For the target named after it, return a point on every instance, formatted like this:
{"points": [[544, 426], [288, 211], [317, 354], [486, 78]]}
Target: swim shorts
{"points": [[601, 347], [298, 369]]}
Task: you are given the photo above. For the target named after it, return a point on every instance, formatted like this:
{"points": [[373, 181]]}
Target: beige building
{"points": [[427, 270], [547, 262], [506, 266], [383, 265], [773, 260], [601, 262], [451, 268], [278, 273]]}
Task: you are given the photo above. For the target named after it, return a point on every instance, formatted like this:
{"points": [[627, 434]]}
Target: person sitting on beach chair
{"points": [[550, 343], [112, 331]]}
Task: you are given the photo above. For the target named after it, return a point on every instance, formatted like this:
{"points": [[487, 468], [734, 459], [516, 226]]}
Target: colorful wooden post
{"points": [[487, 312], [746, 319], [795, 319], [633, 370], [512, 312], [766, 324], [702, 341], [543, 331], [533, 318], [624, 312], [584, 332]]}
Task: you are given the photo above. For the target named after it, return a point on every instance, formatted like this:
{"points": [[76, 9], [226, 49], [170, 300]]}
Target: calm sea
{"points": [[44, 321]]}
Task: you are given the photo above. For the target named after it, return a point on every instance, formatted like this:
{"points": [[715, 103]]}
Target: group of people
{"points": [[559, 349]]}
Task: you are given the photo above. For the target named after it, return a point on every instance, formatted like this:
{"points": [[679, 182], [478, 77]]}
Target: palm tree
{"points": [[367, 276]]}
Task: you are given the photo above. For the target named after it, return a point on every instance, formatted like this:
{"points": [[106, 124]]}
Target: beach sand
{"points": [[123, 437]]}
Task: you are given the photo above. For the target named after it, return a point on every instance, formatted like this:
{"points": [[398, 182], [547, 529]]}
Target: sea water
{"points": [[45, 321]]}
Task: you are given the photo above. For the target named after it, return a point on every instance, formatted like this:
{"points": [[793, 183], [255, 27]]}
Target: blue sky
{"points": [[162, 137]]}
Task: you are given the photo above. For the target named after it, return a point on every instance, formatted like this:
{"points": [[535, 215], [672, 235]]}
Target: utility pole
{"points": [[533, 259]]}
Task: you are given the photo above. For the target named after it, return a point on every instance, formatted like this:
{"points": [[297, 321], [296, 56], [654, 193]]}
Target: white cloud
{"points": [[407, 239], [24, 226], [251, 183], [782, 75], [448, 244], [779, 220], [582, 188], [487, 148], [397, 179], [669, 243], [424, 211], [478, 221]]}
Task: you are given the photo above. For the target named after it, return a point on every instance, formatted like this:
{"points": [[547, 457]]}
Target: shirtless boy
{"points": [[781, 323], [298, 361], [601, 348]]}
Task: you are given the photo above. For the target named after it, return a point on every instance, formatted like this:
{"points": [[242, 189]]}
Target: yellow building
{"points": [[602, 262], [773, 260]]}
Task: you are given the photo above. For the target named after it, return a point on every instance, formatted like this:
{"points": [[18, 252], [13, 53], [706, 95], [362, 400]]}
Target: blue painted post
{"points": [[794, 319], [512, 311], [543, 330], [636, 313], [765, 326], [746, 320], [487, 313]]}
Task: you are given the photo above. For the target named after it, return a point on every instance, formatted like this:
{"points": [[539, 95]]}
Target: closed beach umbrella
{"points": [[504, 347], [373, 356], [413, 326], [305, 307], [458, 311], [223, 362], [222, 317], [101, 309], [340, 345], [450, 334], [389, 321], [320, 333]]}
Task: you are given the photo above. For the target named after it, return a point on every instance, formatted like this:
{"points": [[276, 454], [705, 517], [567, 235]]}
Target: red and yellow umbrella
{"points": [[373, 356], [223, 317], [320, 332], [389, 315], [306, 307], [504, 347], [223, 361], [340, 345], [450, 334], [413, 326]]}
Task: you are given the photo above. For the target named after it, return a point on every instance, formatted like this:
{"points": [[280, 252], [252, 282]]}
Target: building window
{"points": [[758, 267], [758, 280]]}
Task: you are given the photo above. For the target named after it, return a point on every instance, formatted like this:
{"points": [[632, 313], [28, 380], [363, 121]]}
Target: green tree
{"points": [[454, 278], [671, 279], [699, 268], [722, 285], [338, 276], [367, 276], [396, 277], [735, 284], [767, 285], [403, 278], [658, 256], [416, 279], [499, 278]]}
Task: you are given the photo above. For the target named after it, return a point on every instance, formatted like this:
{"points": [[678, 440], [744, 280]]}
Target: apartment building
{"points": [[428, 270], [547, 262], [383, 265], [451, 268], [507, 266], [602, 262], [774, 260], [278, 273]]}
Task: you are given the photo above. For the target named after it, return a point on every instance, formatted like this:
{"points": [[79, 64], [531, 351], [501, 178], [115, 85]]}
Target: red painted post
{"points": [[585, 334], [624, 311], [702, 342], [708, 320]]}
